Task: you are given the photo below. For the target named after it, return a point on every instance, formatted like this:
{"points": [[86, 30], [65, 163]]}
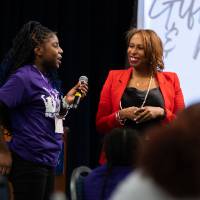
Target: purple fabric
{"points": [[94, 181], [33, 104]]}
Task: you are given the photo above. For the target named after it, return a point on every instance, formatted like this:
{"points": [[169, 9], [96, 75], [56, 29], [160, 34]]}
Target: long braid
{"points": [[22, 51], [31, 35]]}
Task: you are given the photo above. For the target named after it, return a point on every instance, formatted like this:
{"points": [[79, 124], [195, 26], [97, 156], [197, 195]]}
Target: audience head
{"points": [[120, 147], [171, 155]]}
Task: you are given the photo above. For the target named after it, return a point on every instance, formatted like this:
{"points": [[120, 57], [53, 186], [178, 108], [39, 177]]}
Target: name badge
{"points": [[59, 125]]}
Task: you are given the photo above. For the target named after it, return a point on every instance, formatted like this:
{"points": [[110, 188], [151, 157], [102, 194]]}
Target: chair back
{"points": [[77, 181]]}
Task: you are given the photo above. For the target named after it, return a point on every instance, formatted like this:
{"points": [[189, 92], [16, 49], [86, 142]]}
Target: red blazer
{"points": [[113, 90]]}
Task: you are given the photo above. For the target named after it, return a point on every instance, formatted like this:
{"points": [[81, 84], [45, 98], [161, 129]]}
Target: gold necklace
{"points": [[137, 84], [146, 95], [141, 82]]}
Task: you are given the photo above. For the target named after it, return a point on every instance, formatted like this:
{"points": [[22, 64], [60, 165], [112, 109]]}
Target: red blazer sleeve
{"points": [[173, 96], [105, 117]]}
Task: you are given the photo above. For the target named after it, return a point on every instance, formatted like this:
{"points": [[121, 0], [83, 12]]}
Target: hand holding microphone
{"points": [[81, 91], [78, 92]]}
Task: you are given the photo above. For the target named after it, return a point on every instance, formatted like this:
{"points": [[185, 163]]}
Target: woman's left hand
{"points": [[79, 87], [147, 113]]}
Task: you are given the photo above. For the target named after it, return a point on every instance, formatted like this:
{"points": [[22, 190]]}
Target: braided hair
{"points": [[21, 53]]}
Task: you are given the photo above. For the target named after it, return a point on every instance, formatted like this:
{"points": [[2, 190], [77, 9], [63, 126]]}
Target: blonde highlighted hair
{"points": [[153, 47]]}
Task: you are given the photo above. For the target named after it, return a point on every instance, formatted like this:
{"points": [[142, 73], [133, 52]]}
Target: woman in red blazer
{"points": [[143, 95]]}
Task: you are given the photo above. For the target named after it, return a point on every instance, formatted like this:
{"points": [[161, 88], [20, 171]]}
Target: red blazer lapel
{"points": [[123, 76]]}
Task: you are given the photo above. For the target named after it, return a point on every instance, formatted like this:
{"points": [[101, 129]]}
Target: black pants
{"points": [[3, 188], [31, 181]]}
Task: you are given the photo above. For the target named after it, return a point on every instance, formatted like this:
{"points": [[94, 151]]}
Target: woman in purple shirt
{"points": [[32, 110]]}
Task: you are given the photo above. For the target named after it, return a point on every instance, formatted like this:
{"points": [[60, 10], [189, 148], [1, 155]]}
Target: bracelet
{"points": [[65, 104], [164, 115], [121, 121], [64, 107]]}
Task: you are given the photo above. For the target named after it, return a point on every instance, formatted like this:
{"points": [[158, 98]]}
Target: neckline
{"points": [[142, 90], [41, 74]]}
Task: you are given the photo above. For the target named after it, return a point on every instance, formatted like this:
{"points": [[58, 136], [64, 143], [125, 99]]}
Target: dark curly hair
{"points": [[120, 147], [171, 155]]}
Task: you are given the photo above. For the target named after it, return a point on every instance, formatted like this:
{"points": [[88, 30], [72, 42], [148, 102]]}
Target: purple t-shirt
{"points": [[33, 104], [93, 183]]}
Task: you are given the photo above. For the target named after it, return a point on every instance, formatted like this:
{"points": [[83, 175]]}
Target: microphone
{"points": [[78, 94]]}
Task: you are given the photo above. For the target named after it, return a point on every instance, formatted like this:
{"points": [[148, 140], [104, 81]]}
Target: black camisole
{"points": [[135, 97]]}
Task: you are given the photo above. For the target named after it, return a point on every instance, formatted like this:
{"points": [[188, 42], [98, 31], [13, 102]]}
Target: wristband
{"points": [[65, 104], [121, 121]]}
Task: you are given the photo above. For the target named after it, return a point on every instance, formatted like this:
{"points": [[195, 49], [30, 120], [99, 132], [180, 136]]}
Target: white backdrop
{"points": [[177, 22]]}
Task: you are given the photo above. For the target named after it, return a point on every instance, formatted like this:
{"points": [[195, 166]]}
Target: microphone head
{"points": [[83, 79]]}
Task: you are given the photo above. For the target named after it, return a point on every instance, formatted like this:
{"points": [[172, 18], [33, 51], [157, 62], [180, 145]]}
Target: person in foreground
{"points": [[169, 162], [32, 109], [120, 147], [141, 96]]}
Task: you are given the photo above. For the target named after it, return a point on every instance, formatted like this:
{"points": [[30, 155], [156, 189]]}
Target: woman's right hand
{"points": [[83, 87], [128, 113]]}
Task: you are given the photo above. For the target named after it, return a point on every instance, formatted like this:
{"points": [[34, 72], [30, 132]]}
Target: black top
{"points": [[134, 97]]}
